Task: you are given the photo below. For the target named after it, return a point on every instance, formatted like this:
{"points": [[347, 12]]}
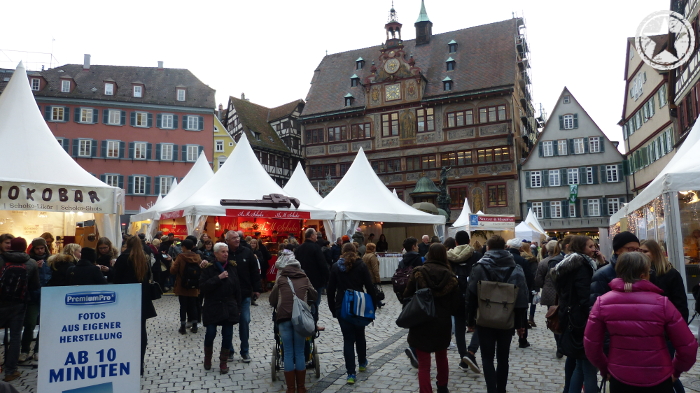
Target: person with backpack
{"points": [[86, 272], [19, 276], [434, 335], [187, 272], [497, 275], [462, 257], [350, 272]]}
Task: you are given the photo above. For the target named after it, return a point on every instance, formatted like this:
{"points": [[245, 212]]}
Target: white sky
{"points": [[269, 49]]}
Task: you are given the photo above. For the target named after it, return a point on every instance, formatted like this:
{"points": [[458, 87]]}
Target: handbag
{"points": [[379, 292], [302, 319], [357, 308], [420, 309], [552, 317], [156, 290]]}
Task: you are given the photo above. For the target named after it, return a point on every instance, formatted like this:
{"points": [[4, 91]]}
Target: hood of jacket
{"points": [[16, 257], [293, 271], [410, 257], [570, 263], [498, 258], [640, 286], [190, 257], [460, 254], [59, 261], [437, 276]]}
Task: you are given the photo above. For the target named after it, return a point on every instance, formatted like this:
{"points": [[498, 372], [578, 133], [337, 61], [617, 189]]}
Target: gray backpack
{"points": [[496, 302]]}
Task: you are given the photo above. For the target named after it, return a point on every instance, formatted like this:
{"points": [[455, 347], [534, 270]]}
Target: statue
{"points": [[443, 198], [408, 125]]}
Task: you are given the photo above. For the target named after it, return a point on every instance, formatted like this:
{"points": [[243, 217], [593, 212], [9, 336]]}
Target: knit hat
{"points": [[39, 242], [18, 244], [346, 238], [623, 238], [286, 258], [88, 254]]}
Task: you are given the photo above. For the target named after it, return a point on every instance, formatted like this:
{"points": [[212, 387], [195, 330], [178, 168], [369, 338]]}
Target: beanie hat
{"points": [[286, 258], [39, 242], [88, 254], [346, 238], [623, 238], [18, 244]]}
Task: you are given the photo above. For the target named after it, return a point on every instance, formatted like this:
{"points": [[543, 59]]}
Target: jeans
{"points": [[474, 342], [678, 385], [188, 308], [226, 335], [495, 343], [353, 336], [30, 321], [569, 367], [533, 308], [12, 317], [424, 370], [619, 387], [293, 346], [244, 326], [460, 328], [584, 374]]}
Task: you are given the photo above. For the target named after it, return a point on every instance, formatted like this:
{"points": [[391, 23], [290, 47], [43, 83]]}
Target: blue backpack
{"points": [[357, 308]]}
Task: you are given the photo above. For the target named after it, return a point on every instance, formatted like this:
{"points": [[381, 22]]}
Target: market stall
{"points": [[530, 229], [301, 188], [42, 189], [481, 226]]}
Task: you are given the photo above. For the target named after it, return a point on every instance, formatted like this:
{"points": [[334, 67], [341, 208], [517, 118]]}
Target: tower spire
{"points": [[423, 16], [424, 27]]}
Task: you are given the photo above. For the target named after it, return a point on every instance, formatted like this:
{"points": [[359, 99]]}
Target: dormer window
{"points": [[360, 62], [36, 84], [450, 63], [65, 86], [354, 81], [447, 84], [138, 91], [348, 99], [181, 94], [452, 46], [109, 89]]}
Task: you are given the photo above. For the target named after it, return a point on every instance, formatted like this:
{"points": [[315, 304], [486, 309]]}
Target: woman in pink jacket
{"points": [[635, 312]]}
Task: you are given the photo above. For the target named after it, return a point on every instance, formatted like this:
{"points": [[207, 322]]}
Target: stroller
{"points": [[310, 350]]}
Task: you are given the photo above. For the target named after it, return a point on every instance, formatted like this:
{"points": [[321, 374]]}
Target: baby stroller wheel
{"points": [[317, 365], [273, 363]]}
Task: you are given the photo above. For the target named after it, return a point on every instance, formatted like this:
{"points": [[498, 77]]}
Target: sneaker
{"points": [[194, 328], [464, 366], [363, 367], [412, 357], [470, 359], [23, 357], [16, 374], [245, 358], [351, 379]]}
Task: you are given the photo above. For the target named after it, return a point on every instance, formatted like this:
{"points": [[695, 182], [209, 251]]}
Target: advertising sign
{"points": [[279, 214], [90, 339], [55, 198], [491, 223]]}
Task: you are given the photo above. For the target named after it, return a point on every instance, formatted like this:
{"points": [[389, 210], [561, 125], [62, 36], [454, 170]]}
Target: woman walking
{"points": [[131, 267], [350, 272], [292, 278], [434, 336], [634, 312], [187, 292]]}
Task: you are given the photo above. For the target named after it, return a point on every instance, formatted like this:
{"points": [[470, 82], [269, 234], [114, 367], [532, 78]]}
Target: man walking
{"points": [[313, 263]]}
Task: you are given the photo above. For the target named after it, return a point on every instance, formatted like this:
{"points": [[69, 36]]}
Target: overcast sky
{"points": [[269, 49]]}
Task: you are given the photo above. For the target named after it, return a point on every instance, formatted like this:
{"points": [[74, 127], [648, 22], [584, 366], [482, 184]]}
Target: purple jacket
{"points": [[638, 323]]}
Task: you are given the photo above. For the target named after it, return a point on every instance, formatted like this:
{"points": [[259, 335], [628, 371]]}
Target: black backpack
{"points": [[400, 280], [13, 282], [190, 276]]}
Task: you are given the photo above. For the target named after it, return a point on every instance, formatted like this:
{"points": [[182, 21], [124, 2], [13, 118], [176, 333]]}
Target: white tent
{"points": [[532, 221], [300, 187], [241, 177], [462, 222], [395, 194], [526, 232], [40, 176], [362, 196]]}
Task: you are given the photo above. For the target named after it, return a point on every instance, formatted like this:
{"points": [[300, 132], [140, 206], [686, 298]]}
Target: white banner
{"points": [[56, 198], [90, 339], [491, 222]]}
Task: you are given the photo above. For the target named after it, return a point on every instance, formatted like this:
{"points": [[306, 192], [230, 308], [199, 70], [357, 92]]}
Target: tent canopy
{"points": [[361, 195], [526, 232], [532, 221], [241, 177], [300, 187]]}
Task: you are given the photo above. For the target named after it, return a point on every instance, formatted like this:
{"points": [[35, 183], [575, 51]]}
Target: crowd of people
{"points": [[604, 307]]}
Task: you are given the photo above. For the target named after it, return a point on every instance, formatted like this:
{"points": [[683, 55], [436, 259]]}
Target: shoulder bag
{"points": [[302, 319], [420, 309]]}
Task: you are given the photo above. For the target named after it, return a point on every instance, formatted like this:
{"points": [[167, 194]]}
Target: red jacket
{"points": [[638, 323]]}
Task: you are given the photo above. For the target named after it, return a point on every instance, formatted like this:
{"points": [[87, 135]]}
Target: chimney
{"points": [[242, 96], [86, 62], [616, 143], [160, 65]]}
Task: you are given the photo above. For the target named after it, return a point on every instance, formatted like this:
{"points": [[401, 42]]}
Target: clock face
{"points": [[391, 65], [393, 92]]}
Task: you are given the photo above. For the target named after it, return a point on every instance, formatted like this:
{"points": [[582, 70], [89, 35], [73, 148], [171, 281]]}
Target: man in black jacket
{"points": [[249, 280], [313, 262], [514, 246], [423, 246]]}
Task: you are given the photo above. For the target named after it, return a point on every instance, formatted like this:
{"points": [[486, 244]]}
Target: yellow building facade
{"points": [[223, 144]]}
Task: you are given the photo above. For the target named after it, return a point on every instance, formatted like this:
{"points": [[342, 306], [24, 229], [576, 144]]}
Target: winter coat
{"points": [[313, 262], [178, 270], [461, 259], [638, 323], [673, 288], [372, 262], [59, 269], [435, 335], [85, 273], [358, 237], [382, 246], [543, 280], [572, 280], [411, 258], [45, 269], [222, 297], [207, 255], [281, 296], [527, 270], [124, 273], [106, 260], [423, 248], [357, 278], [248, 273], [496, 264], [33, 285], [601, 278], [335, 252]]}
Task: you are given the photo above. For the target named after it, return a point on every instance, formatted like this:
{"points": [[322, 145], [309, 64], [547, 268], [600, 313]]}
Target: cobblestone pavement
{"points": [[173, 361]]}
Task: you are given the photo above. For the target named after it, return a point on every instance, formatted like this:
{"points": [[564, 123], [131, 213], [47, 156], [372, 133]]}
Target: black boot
{"points": [[194, 327], [183, 329], [442, 389]]}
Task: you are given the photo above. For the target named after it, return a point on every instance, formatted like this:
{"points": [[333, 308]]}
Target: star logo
{"points": [[665, 40]]}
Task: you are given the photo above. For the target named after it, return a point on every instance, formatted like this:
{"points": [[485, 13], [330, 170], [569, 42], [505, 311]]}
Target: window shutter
{"points": [[555, 148], [575, 120], [130, 190], [95, 116], [584, 207], [131, 150], [595, 176], [527, 180], [619, 172], [545, 178], [582, 175], [123, 118], [547, 209], [586, 147], [184, 152], [76, 146], [120, 181], [604, 207], [541, 149], [105, 116], [157, 157], [622, 200], [603, 174], [184, 122], [103, 178], [76, 115], [562, 178], [159, 120], [565, 208], [201, 123], [626, 168], [122, 149], [133, 119], [65, 143], [93, 148], [175, 121], [47, 112], [148, 185], [529, 206], [150, 120], [104, 149], [66, 114], [175, 152], [156, 185], [201, 149], [602, 144], [571, 146], [149, 147], [561, 122]]}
